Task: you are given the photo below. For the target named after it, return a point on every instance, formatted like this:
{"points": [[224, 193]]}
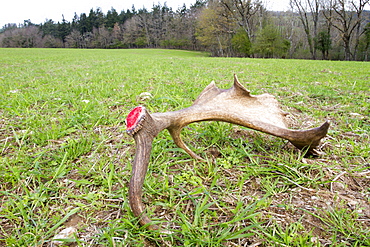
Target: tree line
{"points": [[314, 29]]}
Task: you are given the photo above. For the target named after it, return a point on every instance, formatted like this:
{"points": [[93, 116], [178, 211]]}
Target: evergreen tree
{"points": [[83, 25], [323, 43], [111, 18], [270, 44], [75, 21], [8, 26], [365, 43], [125, 15], [49, 28], [64, 29], [241, 43]]}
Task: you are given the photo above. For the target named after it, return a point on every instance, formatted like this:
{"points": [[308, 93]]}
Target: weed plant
{"points": [[65, 159]]}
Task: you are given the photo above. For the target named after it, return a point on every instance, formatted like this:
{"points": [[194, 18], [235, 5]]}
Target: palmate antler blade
{"points": [[235, 105]]}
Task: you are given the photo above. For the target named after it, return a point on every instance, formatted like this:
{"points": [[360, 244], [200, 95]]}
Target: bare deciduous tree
{"points": [[74, 40], [308, 11], [134, 33], [25, 37], [214, 30], [346, 17], [243, 12]]}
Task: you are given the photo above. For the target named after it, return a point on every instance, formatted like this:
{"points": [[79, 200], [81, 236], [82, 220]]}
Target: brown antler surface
{"points": [[235, 105]]}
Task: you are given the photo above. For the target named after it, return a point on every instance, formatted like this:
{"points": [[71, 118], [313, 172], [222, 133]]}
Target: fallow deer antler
{"points": [[235, 105]]}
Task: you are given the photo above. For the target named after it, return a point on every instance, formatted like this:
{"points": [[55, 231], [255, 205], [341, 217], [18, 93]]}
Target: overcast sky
{"points": [[16, 11]]}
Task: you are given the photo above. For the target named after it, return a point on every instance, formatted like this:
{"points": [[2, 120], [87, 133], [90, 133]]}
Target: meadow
{"points": [[65, 159]]}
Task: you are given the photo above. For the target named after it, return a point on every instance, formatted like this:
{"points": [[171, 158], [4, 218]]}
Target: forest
{"points": [[311, 29]]}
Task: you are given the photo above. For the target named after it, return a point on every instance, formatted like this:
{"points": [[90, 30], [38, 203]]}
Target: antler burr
{"points": [[235, 105]]}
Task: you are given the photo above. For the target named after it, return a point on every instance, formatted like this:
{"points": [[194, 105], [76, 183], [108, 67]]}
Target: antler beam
{"points": [[235, 105]]}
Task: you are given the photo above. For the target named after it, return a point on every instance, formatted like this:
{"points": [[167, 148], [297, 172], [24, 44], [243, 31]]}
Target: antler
{"points": [[235, 105]]}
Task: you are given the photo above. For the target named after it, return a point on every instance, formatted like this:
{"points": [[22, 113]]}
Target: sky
{"points": [[38, 11]]}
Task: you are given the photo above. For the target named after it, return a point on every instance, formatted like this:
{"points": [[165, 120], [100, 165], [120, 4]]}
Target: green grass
{"points": [[65, 159]]}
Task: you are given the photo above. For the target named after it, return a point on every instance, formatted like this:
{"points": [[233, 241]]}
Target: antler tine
{"points": [[175, 133], [235, 105]]}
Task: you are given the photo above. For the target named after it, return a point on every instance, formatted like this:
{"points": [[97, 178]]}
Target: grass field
{"points": [[65, 159]]}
